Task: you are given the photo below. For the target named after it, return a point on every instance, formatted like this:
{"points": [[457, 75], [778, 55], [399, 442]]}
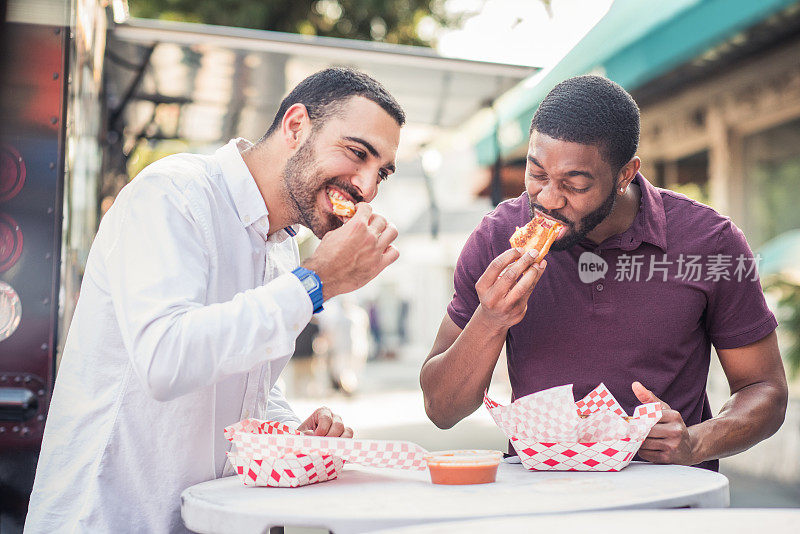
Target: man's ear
{"points": [[627, 173], [295, 126]]}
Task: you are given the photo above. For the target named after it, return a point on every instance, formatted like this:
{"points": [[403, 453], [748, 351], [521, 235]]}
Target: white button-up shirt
{"points": [[187, 314]]}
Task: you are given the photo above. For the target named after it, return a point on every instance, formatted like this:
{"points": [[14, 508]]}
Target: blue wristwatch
{"points": [[312, 284]]}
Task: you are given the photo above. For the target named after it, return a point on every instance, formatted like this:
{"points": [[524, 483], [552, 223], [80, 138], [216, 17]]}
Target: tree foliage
{"points": [[788, 312], [391, 21]]}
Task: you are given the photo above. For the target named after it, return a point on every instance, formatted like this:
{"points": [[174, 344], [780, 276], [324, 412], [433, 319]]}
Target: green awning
{"points": [[634, 43]]}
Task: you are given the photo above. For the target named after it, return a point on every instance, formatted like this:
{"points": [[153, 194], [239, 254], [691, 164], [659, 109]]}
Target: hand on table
{"points": [[669, 441], [323, 422]]}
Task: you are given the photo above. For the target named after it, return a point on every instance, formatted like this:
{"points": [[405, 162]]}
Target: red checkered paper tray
{"points": [[552, 432], [267, 453]]}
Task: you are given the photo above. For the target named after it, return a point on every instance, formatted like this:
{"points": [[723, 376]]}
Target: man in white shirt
{"points": [[193, 297]]}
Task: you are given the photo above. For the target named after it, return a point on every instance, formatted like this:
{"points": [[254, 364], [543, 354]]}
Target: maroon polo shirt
{"points": [[679, 279]]}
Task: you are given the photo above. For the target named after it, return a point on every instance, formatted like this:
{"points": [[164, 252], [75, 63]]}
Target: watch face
{"points": [[309, 283]]}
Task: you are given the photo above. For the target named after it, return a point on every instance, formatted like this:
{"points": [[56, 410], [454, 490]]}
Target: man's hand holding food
{"points": [[669, 441], [505, 286], [355, 253]]}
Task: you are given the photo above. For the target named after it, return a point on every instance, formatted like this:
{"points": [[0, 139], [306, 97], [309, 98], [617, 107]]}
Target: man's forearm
{"points": [[177, 348], [752, 414], [453, 382], [461, 362]]}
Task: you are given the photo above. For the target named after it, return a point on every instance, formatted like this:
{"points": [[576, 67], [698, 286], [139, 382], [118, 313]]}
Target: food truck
{"points": [[84, 87]]}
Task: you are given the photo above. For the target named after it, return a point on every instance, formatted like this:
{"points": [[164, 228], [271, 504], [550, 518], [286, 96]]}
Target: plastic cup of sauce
{"points": [[463, 467]]}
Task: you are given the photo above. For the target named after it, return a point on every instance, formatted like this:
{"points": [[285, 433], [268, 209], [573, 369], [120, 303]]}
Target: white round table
{"points": [[364, 499], [738, 521]]}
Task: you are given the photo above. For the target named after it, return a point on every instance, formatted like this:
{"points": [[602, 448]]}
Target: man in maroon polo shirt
{"points": [[633, 294]]}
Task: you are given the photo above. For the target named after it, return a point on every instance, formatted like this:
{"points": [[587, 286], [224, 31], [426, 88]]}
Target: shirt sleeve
{"points": [[278, 409], [158, 270], [737, 313], [473, 261]]}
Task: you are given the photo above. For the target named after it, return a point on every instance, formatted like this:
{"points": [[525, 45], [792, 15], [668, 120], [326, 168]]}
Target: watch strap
{"points": [[316, 292]]}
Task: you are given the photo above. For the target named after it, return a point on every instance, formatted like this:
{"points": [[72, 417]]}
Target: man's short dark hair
{"points": [[324, 92], [591, 110]]}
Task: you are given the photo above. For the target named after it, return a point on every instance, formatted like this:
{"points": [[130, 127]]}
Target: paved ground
{"points": [[389, 406], [753, 492]]}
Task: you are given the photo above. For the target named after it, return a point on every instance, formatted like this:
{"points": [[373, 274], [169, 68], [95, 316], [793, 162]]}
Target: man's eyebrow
{"points": [[535, 161], [371, 150], [587, 174], [581, 173]]}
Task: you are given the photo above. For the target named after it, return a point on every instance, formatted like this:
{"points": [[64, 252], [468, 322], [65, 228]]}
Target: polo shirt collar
{"points": [[247, 199], [650, 224]]}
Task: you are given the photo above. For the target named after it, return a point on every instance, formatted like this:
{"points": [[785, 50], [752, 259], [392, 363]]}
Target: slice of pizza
{"points": [[538, 234], [341, 206]]}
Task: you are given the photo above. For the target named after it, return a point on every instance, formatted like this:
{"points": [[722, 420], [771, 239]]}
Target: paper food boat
{"points": [[552, 432], [267, 453]]}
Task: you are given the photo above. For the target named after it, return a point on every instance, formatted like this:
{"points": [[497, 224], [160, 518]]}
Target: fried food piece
{"points": [[538, 234], [341, 206]]}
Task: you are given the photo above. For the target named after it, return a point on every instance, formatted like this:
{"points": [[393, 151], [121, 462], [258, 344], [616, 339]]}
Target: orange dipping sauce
{"points": [[463, 467]]}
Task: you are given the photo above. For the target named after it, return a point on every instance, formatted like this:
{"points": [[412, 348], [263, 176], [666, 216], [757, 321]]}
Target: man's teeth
{"points": [[336, 195]]}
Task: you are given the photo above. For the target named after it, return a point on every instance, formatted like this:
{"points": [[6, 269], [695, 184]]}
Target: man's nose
{"points": [[365, 179], [550, 198]]}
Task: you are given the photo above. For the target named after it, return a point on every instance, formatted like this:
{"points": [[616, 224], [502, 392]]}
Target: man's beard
{"points": [[587, 224], [303, 182]]}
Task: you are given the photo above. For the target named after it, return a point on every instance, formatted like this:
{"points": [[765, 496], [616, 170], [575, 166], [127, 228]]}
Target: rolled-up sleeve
{"points": [[158, 274]]}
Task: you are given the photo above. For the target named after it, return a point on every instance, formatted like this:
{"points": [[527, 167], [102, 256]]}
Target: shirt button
{"points": [[599, 287]]}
